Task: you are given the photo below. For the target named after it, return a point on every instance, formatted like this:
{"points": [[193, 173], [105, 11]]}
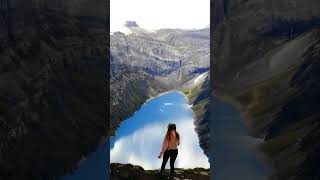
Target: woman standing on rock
{"points": [[169, 148]]}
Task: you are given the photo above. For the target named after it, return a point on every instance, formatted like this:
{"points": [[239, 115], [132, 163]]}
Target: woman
{"points": [[170, 148]]}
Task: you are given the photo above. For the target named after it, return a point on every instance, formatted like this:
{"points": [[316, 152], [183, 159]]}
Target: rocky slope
{"points": [[128, 171], [52, 65], [198, 94], [265, 56]]}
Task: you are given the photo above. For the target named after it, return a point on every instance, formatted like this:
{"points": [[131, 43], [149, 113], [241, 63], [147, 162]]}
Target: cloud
{"points": [[190, 153], [168, 104], [142, 147]]}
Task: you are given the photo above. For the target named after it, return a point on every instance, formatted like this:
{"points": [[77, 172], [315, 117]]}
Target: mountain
{"points": [[265, 59], [52, 65], [145, 63], [132, 27]]}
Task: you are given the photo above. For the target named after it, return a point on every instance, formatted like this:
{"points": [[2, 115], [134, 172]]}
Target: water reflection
{"points": [[139, 138]]}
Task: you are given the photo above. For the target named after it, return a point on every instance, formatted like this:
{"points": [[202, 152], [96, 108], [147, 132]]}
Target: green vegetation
{"points": [[193, 92], [276, 145], [200, 108], [284, 143], [265, 96], [292, 135], [291, 164]]}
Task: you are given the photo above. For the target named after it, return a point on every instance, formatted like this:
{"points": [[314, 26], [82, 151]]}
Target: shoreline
{"points": [[264, 159]]}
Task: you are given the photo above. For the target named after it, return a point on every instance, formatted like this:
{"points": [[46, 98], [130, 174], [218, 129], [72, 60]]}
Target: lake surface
{"points": [[94, 167], [139, 138], [234, 151]]}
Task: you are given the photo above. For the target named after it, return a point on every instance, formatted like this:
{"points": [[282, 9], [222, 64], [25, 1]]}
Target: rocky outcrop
{"points": [[199, 97], [128, 171], [264, 59], [51, 82]]}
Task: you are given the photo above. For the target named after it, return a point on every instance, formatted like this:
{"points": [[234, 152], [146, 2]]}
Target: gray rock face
{"points": [[161, 50], [131, 24], [260, 50]]}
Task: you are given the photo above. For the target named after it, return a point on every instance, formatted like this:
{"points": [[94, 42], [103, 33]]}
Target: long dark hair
{"points": [[172, 127]]}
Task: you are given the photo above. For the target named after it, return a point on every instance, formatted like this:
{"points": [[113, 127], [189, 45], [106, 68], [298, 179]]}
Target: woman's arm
{"points": [[164, 147]]}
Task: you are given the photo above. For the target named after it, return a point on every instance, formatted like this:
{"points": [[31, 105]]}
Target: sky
{"points": [[159, 14]]}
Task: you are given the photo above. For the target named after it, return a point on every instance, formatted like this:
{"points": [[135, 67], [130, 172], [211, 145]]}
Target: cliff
{"points": [[198, 95], [51, 82], [264, 59]]}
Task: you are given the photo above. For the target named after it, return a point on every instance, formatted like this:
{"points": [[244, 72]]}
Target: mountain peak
{"points": [[131, 27], [130, 24]]}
